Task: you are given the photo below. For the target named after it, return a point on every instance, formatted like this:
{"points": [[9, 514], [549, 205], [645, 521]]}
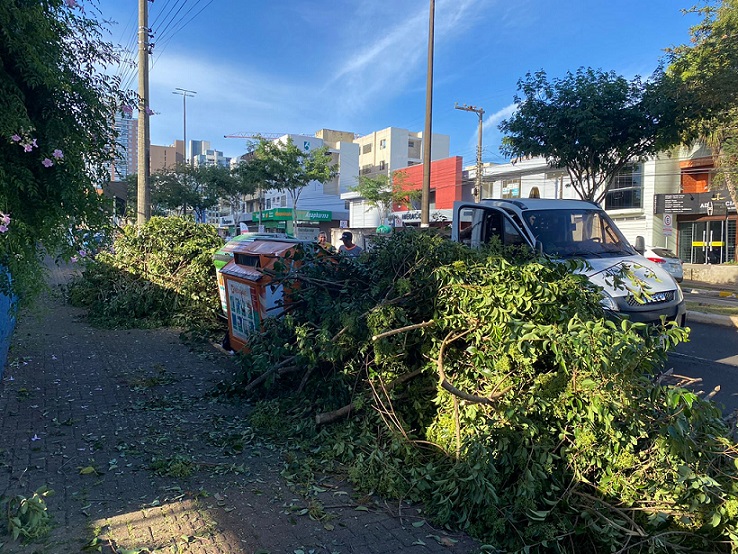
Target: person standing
{"points": [[323, 241], [348, 247]]}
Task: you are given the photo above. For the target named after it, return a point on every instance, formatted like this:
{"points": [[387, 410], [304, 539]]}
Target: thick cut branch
{"points": [[446, 385], [278, 369], [403, 329]]}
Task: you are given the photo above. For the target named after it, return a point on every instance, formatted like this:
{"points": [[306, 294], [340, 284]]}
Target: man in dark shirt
{"points": [[348, 247]]}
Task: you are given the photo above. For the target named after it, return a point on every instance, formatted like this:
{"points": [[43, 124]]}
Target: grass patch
{"points": [[707, 308]]}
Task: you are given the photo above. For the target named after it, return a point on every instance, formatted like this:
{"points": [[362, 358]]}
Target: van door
{"points": [[474, 225]]}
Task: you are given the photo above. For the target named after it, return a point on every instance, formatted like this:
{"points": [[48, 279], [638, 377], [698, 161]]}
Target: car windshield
{"points": [[577, 233]]}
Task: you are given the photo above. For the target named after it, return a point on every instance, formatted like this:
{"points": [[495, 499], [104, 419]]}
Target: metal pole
{"points": [[425, 198], [478, 195], [480, 113], [143, 208], [184, 93]]}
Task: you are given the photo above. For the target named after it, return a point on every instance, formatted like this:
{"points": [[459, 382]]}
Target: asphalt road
{"points": [[709, 362]]}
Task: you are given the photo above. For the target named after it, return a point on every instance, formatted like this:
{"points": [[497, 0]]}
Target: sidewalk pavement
{"points": [[93, 413]]}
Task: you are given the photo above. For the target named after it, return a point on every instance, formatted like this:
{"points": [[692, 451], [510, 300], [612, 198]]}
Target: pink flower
{"points": [[33, 142], [47, 162], [3, 228], [73, 259], [15, 138], [4, 218], [149, 111], [71, 3], [128, 110], [82, 253], [35, 438], [58, 154], [27, 148]]}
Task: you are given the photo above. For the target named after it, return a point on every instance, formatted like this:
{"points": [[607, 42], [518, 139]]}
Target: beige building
{"points": [[166, 157], [395, 148]]}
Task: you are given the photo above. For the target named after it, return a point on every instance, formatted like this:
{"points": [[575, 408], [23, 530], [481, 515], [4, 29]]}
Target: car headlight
{"points": [[679, 294], [607, 302]]}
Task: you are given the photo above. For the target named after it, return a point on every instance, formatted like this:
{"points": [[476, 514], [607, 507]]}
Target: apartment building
{"points": [[165, 157], [383, 152], [202, 154], [126, 157]]}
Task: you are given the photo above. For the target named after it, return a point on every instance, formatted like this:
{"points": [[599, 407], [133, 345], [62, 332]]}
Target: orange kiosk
{"points": [[249, 292]]}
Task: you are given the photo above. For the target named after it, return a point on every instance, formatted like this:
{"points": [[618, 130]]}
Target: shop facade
{"points": [[704, 224], [280, 220]]}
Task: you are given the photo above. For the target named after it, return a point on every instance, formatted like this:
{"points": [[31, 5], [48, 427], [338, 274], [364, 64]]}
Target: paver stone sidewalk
{"points": [[91, 413]]}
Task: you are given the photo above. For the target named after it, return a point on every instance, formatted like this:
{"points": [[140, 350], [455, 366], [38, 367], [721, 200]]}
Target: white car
{"points": [[564, 229], [666, 259]]}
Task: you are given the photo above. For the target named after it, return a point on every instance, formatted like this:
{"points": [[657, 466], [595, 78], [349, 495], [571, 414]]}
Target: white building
{"points": [[381, 153], [319, 205], [201, 154], [629, 201]]}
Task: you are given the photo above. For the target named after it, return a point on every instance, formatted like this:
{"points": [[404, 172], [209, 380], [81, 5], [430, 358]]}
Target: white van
{"points": [[566, 229]]}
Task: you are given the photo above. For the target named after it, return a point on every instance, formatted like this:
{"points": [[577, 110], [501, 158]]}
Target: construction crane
{"points": [[266, 136]]}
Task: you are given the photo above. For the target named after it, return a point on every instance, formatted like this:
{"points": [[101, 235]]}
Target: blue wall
{"points": [[7, 323]]}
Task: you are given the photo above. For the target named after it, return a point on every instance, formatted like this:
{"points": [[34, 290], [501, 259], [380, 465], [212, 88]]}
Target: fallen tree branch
{"points": [[446, 384], [327, 417], [278, 369], [404, 329]]}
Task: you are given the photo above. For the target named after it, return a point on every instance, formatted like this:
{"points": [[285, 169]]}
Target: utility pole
{"points": [[185, 93], [480, 113], [425, 198], [143, 209]]}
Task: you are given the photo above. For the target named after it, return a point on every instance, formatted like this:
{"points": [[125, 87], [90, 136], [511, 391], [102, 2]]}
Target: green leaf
{"points": [[418, 523]]}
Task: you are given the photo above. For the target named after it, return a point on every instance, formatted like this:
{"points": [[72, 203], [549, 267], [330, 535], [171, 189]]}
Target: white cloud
{"points": [[382, 67]]}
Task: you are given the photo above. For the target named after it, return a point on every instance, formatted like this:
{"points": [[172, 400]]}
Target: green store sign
{"points": [[285, 214]]}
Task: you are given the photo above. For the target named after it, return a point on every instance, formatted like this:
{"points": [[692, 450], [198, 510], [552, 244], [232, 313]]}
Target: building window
{"points": [[511, 188], [382, 144], [626, 189], [366, 169], [284, 201], [366, 148], [411, 144], [382, 165]]}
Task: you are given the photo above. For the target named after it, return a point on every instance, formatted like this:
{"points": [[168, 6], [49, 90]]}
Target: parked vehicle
{"points": [[566, 229], [667, 259]]}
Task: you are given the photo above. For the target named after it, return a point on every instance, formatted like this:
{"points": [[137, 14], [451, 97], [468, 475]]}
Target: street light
{"points": [[184, 93], [480, 113]]}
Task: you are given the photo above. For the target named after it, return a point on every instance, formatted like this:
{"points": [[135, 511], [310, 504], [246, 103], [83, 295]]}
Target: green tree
{"points": [[186, 188], [592, 123], [55, 132], [284, 167], [381, 196], [708, 72]]}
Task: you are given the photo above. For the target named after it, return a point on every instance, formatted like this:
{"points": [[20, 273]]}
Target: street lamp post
{"points": [[480, 114], [184, 93]]}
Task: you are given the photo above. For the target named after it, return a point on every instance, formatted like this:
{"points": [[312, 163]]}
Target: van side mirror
{"points": [[640, 245]]}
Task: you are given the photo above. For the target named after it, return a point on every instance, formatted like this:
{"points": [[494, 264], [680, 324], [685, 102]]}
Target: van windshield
{"points": [[577, 233]]}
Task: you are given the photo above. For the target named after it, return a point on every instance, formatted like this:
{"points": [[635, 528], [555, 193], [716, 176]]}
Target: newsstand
{"points": [[225, 255], [248, 288]]}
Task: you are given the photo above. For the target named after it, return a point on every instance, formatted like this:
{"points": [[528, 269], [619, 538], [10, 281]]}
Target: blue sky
{"points": [[296, 66]]}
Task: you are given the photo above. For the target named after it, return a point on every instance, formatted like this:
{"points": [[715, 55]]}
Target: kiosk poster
{"points": [[244, 306]]}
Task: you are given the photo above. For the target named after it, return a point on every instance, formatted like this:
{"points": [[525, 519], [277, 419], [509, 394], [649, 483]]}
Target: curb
{"points": [[713, 319]]}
